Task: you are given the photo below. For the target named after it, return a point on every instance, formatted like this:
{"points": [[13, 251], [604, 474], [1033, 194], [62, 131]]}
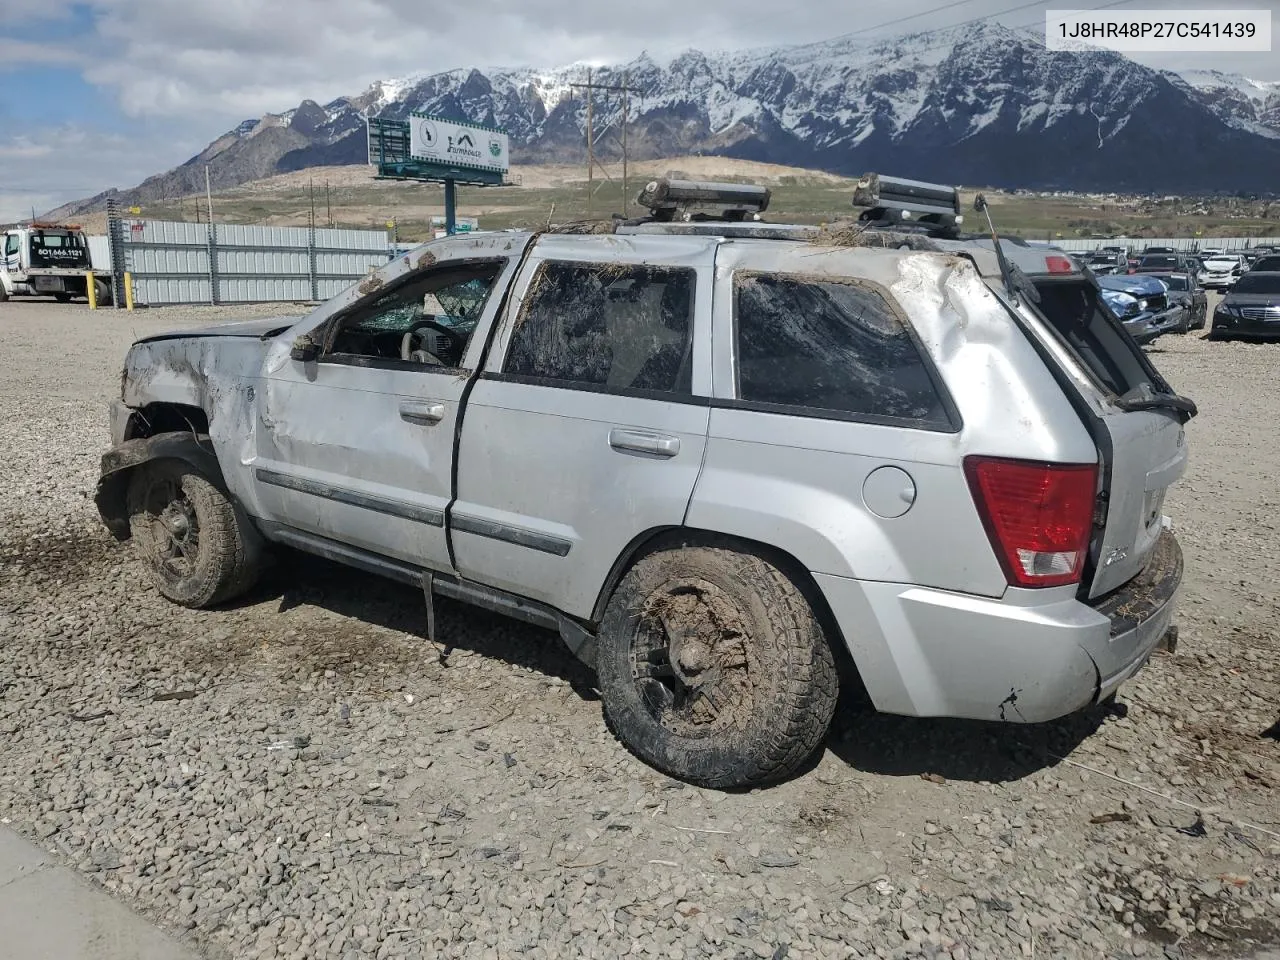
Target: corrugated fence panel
{"points": [[169, 261], [328, 289], [1185, 244], [263, 289]]}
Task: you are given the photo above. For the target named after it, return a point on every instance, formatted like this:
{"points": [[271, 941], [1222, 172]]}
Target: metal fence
{"points": [[174, 262], [1182, 244]]}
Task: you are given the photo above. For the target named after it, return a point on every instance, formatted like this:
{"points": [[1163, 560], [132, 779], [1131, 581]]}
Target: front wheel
{"points": [[714, 669], [198, 546]]}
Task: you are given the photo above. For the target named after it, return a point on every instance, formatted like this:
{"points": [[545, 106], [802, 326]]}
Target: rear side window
{"points": [[1269, 264], [825, 346], [621, 327], [1076, 312]]}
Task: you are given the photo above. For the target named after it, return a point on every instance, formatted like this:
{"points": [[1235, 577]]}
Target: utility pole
{"points": [[590, 87], [328, 209], [208, 192]]}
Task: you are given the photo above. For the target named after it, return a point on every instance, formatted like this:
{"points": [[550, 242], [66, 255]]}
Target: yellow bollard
{"points": [[128, 291], [91, 290]]}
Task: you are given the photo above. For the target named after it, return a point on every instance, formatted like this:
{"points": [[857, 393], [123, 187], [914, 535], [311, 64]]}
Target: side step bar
{"points": [[580, 640]]}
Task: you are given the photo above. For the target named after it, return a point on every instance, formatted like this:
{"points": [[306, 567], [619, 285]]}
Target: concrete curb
{"points": [[47, 912]]}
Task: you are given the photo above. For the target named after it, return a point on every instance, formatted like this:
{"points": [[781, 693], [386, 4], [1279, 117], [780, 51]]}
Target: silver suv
{"points": [[720, 457]]}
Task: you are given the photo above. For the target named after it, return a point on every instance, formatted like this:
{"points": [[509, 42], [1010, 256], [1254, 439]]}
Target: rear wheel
{"points": [[103, 291], [714, 669], [197, 545]]}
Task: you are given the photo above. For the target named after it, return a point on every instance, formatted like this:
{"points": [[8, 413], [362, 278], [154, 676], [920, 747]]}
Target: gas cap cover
{"points": [[889, 492]]}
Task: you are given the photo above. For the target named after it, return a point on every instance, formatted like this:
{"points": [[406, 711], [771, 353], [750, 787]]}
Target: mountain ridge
{"points": [[978, 103]]}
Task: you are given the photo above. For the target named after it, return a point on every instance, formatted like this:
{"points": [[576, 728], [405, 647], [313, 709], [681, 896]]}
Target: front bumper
{"points": [[1028, 657], [1225, 325]]}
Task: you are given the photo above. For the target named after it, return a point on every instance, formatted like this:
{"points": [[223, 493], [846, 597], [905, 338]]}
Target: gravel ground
{"points": [[303, 776]]}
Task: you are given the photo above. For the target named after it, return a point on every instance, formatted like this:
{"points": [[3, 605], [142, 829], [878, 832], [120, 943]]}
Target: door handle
{"points": [[424, 414], [640, 441]]}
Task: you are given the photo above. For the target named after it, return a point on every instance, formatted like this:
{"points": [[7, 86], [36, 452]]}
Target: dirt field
{"points": [[302, 775]]}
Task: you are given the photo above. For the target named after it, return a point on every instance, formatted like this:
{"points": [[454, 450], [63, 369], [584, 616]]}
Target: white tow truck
{"points": [[48, 259]]}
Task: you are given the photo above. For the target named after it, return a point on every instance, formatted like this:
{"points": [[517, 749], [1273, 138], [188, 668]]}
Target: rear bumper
{"points": [[1028, 657]]}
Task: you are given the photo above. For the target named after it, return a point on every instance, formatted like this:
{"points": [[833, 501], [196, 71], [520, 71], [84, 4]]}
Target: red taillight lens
{"points": [[1038, 516], [1058, 265]]}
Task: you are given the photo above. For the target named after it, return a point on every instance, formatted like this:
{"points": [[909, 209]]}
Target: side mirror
{"points": [[305, 349]]}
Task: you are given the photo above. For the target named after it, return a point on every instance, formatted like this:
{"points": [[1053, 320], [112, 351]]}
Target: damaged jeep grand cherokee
{"points": [[722, 458]]}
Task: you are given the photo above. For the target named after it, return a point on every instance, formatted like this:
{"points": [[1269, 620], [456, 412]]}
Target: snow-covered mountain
{"points": [[977, 104], [1252, 105]]}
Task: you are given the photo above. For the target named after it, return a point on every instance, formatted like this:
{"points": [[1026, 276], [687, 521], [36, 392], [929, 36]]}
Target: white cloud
{"points": [[16, 53], [49, 166]]}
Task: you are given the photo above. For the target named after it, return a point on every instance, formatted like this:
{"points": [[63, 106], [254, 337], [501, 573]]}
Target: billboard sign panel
{"points": [[456, 144]]}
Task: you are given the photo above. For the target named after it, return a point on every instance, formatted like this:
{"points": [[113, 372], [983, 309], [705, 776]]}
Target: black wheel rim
{"points": [[172, 530], [691, 659]]}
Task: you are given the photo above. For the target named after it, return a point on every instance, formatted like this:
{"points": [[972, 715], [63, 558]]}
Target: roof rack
{"points": [[901, 204], [690, 200]]}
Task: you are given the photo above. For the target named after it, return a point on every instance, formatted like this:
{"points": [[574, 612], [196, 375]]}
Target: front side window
{"points": [[622, 327], [830, 345], [426, 319], [11, 244]]}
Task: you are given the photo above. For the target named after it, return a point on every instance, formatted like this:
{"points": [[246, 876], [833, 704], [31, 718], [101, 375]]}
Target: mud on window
{"points": [[621, 327], [425, 320], [810, 345]]}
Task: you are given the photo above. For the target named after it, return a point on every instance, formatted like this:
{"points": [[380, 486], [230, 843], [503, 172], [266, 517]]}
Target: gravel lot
{"points": [[303, 776]]}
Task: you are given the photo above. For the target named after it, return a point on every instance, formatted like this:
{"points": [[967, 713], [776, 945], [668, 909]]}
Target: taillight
{"points": [[1038, 516], [1058, 265]]}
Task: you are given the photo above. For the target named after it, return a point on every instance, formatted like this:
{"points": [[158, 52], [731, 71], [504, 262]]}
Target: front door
{"points": [[586, 428], [357, 444]]}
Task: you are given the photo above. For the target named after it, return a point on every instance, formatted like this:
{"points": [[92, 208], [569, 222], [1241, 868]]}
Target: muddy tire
{"points": [[714, 669], [197, 545], [103, 291]]}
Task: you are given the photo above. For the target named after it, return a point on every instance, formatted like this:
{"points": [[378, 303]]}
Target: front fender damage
{"points": [[118, 464]]}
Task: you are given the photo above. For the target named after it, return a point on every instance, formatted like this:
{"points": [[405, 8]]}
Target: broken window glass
{"points": [[427, 319], [830, 345], [618, 326]]}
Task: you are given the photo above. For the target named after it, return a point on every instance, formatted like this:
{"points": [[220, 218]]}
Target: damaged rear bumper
{"points": [[1028, 657]]}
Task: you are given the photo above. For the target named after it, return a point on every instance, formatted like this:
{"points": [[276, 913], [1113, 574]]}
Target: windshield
{"points": [[1177, 283], [1077, 313], [1164, 262], [1267, 283]]}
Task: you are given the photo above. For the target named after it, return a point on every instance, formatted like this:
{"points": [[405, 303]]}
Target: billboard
{"points": [[457, 144]]}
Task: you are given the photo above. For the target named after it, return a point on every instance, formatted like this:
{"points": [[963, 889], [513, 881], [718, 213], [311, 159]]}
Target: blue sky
{"points": [[104, 93]]}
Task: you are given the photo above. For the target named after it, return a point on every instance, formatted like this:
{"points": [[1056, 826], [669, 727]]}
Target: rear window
{"points": [[1267, 264], [1159, 262], [1258, 283], [812, 346], [1222, 264], [1077, 314]]}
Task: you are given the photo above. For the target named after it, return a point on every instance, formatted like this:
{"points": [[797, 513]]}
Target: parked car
{"points": [[1159, 263], [1186, 291], [1221, 271], [717, 469], [1153, 297], [1104, 262], [1266, 263], [1128, 310], [1250, 310]]}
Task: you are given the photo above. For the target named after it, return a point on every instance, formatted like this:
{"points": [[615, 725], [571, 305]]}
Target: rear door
{"points": [[1143, 451], [588, 425]]}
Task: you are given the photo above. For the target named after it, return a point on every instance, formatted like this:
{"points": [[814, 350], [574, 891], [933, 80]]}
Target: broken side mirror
{"points": [[305, 349]]}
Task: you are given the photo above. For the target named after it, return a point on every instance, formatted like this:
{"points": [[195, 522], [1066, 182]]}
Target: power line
{"points": [[911, 16]]}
